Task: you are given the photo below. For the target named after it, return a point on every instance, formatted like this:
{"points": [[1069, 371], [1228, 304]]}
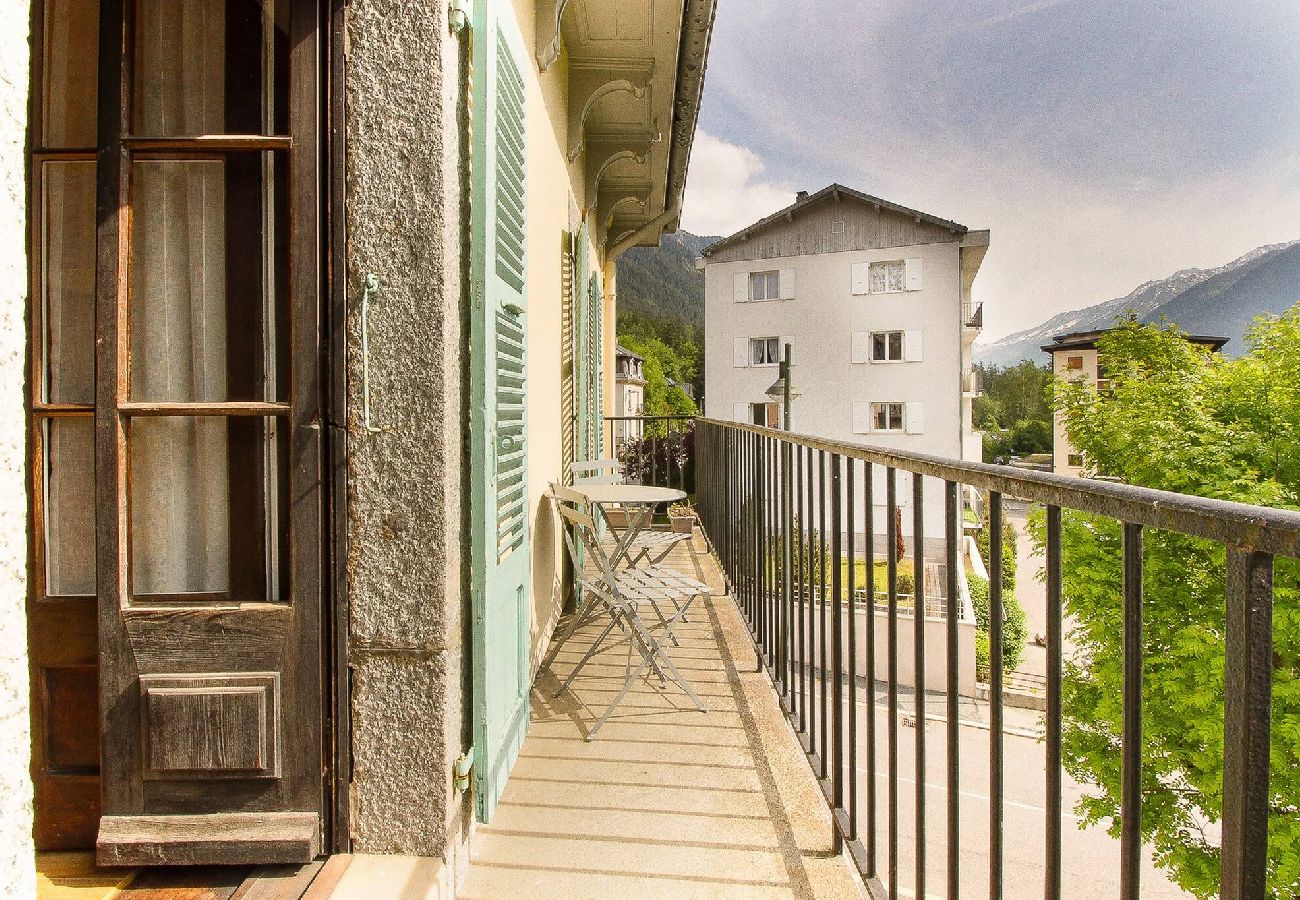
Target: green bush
{"points": [[1014, 632], [982, 656], [1008, 551]]}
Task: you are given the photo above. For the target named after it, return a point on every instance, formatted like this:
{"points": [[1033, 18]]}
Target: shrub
{"points": [[1014, 632]]}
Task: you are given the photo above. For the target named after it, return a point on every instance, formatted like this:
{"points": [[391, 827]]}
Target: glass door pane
{"points": [[211, 67], [69, 493], [70, 61], [68, 276]]}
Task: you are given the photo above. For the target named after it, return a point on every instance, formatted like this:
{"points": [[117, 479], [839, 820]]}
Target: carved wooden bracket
{"points": [[606, 150], [594, 81], [550, 14]]}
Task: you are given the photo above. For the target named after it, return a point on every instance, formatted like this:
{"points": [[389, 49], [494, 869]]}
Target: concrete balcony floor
{"points": [[666, 801]]}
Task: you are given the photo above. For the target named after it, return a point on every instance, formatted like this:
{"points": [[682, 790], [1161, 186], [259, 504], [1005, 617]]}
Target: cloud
{"points": [[725, 189]]}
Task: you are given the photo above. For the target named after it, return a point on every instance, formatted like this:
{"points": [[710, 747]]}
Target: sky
{"points": [[1104, 143]]}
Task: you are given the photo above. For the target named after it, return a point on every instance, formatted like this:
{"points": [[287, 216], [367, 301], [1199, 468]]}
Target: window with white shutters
{"points": [[888, 416], [886, 346], [764, 351], [887, 277], [765, 285]]}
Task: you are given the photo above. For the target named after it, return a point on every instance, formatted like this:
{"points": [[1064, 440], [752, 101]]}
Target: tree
{"points": [[1180, 418], [1014, 412]]}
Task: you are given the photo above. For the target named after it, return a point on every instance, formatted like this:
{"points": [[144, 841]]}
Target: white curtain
{"points": [[180, 486]]}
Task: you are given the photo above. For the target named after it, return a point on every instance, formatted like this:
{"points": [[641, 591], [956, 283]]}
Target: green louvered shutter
{"points": [[499, 497], [581, 355], [596, 298]]}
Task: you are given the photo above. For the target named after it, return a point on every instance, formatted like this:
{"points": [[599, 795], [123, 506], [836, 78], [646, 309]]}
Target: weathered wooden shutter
{"points": [[499, 546], [861, 278], [860, 347], [912, 273], [596, 298], [912, 345], [785, 281], [740, 287], [582, 357], [740, 352]]}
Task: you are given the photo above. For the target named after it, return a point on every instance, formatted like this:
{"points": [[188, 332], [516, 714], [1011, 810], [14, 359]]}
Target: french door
{"points": [[176, 429]]}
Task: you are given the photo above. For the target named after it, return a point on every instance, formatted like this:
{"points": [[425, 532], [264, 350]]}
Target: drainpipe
{"points": [[670, 214]]}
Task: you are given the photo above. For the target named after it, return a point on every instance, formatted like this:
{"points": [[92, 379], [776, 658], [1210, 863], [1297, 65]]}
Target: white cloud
{"points": [[725, 190]]}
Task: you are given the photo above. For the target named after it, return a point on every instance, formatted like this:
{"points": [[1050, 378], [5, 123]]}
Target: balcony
{"points": [[918, 793], [973, 315]]}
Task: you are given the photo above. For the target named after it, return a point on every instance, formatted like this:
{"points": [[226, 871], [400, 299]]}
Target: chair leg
{"points": [[595, 647]]}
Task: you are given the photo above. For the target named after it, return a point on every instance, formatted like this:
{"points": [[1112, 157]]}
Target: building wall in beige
{"points": [[17, 873], [1074, 365]]}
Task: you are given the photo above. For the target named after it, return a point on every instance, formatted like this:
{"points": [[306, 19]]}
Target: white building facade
{"points": [[629, 394], [874, 301]]}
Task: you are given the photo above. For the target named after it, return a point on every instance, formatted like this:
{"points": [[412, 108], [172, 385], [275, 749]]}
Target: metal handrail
{"points": [[764, 494]]}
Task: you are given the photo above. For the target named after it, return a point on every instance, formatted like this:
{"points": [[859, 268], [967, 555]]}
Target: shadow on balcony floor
{"points": [[667, 801]]}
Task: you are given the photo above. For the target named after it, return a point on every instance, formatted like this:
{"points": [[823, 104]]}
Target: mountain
{"points": [[662, 282], [1221, 302]]}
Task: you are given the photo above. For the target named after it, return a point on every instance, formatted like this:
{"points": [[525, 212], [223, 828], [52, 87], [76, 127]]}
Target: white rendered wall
{"points": [[17, 872], [1061, 446], [819, 322]]}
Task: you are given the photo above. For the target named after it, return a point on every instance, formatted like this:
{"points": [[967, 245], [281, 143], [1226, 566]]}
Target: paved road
{"points": [[1090, 859]]}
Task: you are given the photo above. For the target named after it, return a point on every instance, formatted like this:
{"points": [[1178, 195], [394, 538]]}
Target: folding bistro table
{"points": [[638, 499]]}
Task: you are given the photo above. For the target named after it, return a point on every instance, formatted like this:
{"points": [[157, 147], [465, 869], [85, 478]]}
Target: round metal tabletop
{"points": [[631, 494]]}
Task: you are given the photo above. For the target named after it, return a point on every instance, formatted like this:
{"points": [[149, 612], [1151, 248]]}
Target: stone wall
{"points": [[16, 870], [406, 581]]}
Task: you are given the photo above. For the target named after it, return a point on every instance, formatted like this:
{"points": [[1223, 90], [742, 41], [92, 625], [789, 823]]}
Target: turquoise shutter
{"points": [[499, 543], [581, 351], [597, 364]]}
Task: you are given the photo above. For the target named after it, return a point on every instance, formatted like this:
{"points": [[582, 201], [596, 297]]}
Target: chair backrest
{"points": [[597, 471], [573, 507]]}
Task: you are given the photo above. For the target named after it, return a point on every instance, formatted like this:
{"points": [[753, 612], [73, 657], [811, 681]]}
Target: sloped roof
{"points": [[830, 192], [620, 350]]}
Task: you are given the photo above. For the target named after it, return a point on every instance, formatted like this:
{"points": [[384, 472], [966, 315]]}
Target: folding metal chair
{"points": [[597, 471], [620, 594]]}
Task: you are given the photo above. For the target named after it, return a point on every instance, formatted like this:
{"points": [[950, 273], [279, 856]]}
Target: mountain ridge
{"points": [[1221, 301]]}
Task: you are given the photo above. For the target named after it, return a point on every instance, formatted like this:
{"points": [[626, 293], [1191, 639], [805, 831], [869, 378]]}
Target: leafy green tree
{"points": [[1179, 418], [663, 363], [1014, 411]]}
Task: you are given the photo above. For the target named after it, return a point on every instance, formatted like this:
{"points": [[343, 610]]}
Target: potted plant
{"points": [[682, 516]]}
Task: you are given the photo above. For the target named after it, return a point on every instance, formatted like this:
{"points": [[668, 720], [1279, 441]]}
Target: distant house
{"points": [[874, 299], [629, 393], [1075, 357]]}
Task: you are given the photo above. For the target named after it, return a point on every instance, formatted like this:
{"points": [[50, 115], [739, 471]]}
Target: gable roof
{"points": [[830, 192]]}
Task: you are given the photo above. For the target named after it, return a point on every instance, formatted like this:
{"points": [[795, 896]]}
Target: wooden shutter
{"points": [[582, 348], [914, 416], [861, 417], [499, 543], [912, 273], [912, 345], [861, 278], [786, 284], [860, 347], [740, 353], [740, 287]]}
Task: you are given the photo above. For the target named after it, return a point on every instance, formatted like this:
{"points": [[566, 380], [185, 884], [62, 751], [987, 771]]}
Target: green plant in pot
{"points": [[682, 516]]}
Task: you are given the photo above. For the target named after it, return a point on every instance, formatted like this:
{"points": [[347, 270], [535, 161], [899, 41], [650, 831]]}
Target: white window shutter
{"points": [[861, 278], [912, 345], [740, 353], [740, 287], [861, 351], [861, 418], [787, 284], [912, 273], [915, 415], [740, 413]]}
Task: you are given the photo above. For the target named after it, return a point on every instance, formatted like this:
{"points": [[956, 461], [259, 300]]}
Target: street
{"points": [[1090, 859]]}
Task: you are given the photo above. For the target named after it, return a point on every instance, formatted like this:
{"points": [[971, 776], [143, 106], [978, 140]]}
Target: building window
{"points": [[764, 351], [837, 227], [1074, 460], [886, 346], [1074, 362], [763, 414], [887, 276], [765, 285], [887, 417]]}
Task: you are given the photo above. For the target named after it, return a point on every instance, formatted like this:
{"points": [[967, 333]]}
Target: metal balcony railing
{"points": [[776, 507], [655, 450], [973, 314]]}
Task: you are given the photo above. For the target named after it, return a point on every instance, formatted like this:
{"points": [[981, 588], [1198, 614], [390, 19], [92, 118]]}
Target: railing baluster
{"points": [[821, 605], [952, 559], [787, 574], [918, 659], [852, 704], [837, 648], [1248, 686], [1052, 802], [869, 529], [1130, 869], [891, 588], [802, 592], [995, 696]]}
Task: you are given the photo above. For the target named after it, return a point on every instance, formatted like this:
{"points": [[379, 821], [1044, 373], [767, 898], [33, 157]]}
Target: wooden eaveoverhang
{"points": [[636, 73]]}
